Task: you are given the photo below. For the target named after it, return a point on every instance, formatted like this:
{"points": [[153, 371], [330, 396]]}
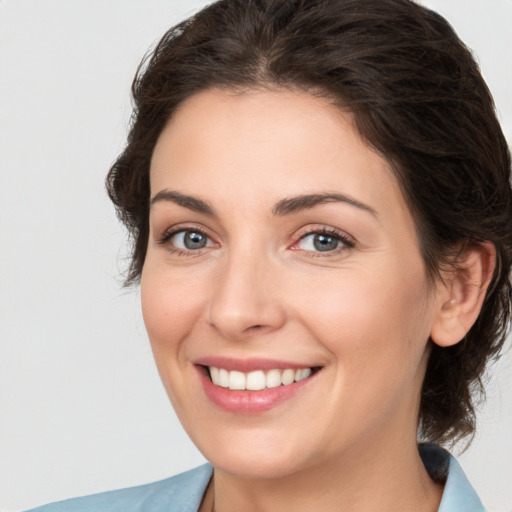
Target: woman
{"points": [[320, 202]]}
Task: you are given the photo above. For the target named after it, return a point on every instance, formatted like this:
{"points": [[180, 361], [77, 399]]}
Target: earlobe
{"points": [[463, 293]]}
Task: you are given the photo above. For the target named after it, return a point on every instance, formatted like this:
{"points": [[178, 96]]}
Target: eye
{"points": [[190, 240], [323, 241], [187, 240]]}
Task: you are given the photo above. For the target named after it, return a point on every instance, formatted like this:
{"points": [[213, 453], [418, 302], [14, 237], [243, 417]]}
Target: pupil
{"points": [[194, 240], [325, 243]]}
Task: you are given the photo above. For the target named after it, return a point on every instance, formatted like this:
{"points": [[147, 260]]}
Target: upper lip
{"points": [[249, 365]]}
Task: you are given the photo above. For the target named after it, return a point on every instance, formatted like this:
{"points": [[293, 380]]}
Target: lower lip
{"points": [[249, 402]]}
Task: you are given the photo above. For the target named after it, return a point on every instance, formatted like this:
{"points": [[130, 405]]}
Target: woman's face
{"points": [[282, 254]]}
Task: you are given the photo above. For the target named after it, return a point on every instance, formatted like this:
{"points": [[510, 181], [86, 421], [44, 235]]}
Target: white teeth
{"points": [[302, 374], [287, 377], [236, 380], [214, 374], [257, 380], [273, 378], [223, 378]]}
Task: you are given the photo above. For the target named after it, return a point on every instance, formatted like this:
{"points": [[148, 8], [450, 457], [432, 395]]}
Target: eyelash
{"points": [[347, 243], [167, 236]]}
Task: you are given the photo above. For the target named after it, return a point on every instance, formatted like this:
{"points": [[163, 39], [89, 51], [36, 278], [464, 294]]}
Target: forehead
{"points": [[263, 145]]}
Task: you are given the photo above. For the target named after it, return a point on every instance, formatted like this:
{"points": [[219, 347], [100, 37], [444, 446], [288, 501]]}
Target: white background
{"points": [[81, 406]]}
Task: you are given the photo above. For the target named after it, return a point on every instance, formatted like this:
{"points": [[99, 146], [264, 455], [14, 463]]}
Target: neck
{"points": [[381, 478]]}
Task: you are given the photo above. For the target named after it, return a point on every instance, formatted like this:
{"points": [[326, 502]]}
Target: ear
{"points": [[462, 294]]}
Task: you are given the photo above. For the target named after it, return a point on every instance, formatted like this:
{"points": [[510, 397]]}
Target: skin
{"points": [[363, 311]]}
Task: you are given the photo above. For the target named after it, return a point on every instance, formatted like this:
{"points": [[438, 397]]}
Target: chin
{"points": [[253, 454], [252, 466]]}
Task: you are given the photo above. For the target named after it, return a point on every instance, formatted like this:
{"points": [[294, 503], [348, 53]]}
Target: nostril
{"points": [[256, 327]]}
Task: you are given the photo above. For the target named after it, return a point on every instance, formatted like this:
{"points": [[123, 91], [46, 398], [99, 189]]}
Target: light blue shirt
{"points": [[184, 492]]}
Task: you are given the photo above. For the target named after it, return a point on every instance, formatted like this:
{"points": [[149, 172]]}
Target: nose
{"points": [[245, 298]]}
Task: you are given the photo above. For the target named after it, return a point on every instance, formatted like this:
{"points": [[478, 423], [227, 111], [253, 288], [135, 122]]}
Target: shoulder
{"points": [[180, 493], [458, 494]]}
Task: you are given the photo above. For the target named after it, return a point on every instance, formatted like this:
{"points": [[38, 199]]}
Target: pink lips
{"points": [[248, 365], [248, 402]]}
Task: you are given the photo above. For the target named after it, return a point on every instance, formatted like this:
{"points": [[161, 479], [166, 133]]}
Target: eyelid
{"points": [[348, 242], [172, 231]]}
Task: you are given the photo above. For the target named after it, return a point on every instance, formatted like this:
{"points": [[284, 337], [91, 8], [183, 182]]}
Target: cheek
{"points": [[376, 331], [171, 304], [375, 320]]}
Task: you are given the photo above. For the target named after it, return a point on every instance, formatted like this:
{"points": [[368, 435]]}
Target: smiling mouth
{"points": [[259, 379]]}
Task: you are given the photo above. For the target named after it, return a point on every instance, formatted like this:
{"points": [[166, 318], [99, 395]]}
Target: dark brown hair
{"points": [[417, 97]]}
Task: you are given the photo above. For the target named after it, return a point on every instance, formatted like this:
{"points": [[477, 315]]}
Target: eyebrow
{"points": [[307, 201], [283, 207], [190, 202]]}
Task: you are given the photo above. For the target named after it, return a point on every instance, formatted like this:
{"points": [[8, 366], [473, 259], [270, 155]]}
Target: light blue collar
{"points": [[458, 495]]}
